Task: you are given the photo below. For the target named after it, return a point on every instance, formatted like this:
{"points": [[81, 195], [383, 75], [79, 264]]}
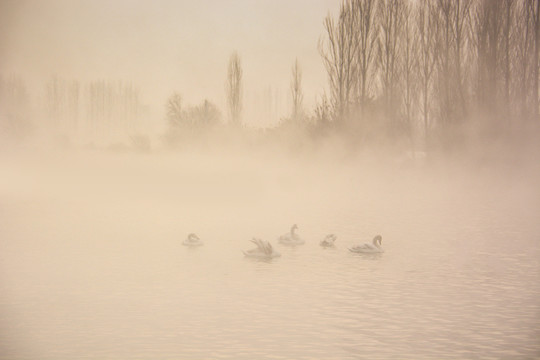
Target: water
{"points": [[92, 266]]}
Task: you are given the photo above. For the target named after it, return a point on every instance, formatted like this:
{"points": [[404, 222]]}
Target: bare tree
{"points": [[208, 114], [73, 105], [390, 14], [234, 89], [461, 27], [427, 41], [409, 66], [488, 31], [296, 92], [367, 46], [524, 57], [14, 107], [339, 53], [444, 69], [55, 102], [506, 44], [534, 10], [454, 29], [174, 110]]}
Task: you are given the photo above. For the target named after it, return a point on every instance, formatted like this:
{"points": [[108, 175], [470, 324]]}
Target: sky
{"points": [[165, 46]]}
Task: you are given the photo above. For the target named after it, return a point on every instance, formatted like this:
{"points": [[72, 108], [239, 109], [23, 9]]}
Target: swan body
{"points": [[264, 250], [328, 241], [375, 247], [192, 240], [291, 238]]}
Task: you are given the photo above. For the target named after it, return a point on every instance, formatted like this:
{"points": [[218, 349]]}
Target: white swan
{"points": [[369, 248], [291, 238], [264, 250], [192, 240], [328, 241]]}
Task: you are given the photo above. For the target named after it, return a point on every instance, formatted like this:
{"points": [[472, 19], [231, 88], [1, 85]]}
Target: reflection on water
{"points": [[375, 256], [92, 266]]}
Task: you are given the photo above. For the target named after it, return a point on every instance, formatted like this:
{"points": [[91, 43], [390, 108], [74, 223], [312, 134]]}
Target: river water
{"points": [[92, 266]]}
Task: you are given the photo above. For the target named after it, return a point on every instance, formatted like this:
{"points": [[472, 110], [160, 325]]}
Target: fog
{"points": [[126, 127], [165, 46]]}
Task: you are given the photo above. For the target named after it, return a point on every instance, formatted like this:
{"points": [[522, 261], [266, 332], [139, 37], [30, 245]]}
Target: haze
{"points": [[155, 157], [165, 46]]}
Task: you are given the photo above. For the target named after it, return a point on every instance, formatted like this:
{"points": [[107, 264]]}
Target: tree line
{"points": [[99, 109], [421, 74], [94, 109], [432, 70], [429, 74]]}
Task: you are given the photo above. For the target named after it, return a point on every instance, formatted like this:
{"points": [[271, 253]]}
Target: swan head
{"points": [[192, 236], [377, 240]]}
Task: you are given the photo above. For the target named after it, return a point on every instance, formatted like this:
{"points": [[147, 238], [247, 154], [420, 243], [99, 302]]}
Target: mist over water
{"points": [[127, 127], [92, 264]]}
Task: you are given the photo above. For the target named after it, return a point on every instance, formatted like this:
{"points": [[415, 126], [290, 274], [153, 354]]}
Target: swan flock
{"points": [[265, 250]]}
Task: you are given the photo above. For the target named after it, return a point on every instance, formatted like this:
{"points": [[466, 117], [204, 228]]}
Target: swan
{"points": [[328, 240], [192, 240], [369, 248], [264, 250], [291, 238]]}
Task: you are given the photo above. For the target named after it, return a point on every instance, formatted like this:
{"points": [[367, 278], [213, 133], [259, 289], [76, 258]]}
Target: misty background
{"points": [[127, 125], [164, 47]]}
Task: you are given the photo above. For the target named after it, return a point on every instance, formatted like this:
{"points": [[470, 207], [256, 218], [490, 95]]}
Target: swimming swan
{"points": [[192, 240], [328, 241], [291, 238], [264, 250], [368, 248]]}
